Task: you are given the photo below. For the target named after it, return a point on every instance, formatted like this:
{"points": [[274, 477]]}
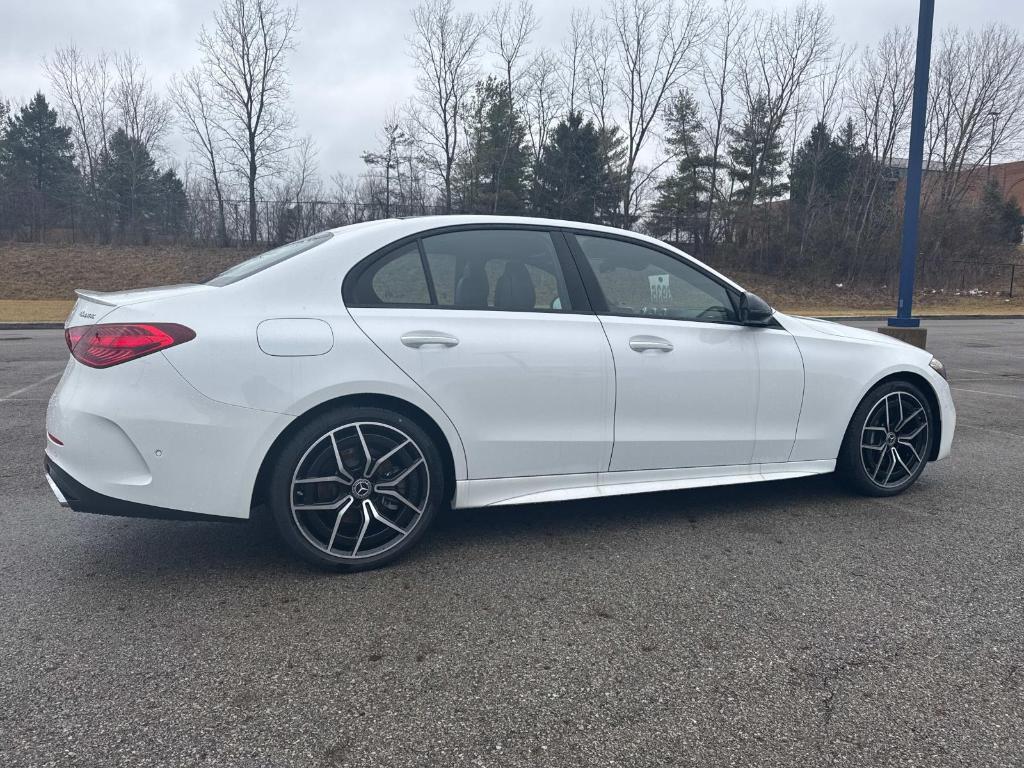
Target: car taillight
{"points": [[107, 344]]}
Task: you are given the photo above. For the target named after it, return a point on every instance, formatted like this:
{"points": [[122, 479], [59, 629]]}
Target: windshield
{"points": [[268, 259]]}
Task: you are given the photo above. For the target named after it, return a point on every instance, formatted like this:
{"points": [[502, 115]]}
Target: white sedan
{"points": [[355, 382]]}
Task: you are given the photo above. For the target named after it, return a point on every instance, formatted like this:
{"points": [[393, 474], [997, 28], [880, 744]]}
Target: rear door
{"points": [[493, 324]]}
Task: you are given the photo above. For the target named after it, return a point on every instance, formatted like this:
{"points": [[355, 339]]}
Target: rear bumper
{"points": [[71, 493], [139, 440]]}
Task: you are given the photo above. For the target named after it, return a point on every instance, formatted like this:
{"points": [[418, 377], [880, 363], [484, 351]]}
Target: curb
{"points": [[31, 326]]}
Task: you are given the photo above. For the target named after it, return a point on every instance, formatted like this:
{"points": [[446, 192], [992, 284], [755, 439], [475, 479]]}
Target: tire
{"points": [[888, 441], [340, 509]]}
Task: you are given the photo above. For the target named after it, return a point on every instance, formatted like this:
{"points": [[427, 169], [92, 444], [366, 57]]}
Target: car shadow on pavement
{"points": [[155, 549]]}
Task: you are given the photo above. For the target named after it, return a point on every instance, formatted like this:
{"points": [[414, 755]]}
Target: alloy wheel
{"points": [[894, 440], [360, 490]]}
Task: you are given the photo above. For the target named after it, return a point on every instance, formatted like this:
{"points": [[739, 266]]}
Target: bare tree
{"points": [[543, 104], [509, 29], [298, 207], [144, 114], [84, 94], [784, 50], [573, 69], [976, 104], [191, 95], [600, 68], [658, 44], [245, 57], [881, 90], [445, 46], [388, 160], [729, 26]]}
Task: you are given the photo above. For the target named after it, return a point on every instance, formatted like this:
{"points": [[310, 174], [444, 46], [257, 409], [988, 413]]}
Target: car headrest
{"points": [[514, 289], [472, 289]]}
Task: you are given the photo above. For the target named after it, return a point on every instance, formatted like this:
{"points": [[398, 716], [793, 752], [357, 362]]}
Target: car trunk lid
{"points": [[92, 306]]}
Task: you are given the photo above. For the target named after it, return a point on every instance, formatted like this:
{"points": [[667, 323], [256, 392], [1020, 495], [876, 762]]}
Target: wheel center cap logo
{"points": [[891, 438], [361, 488]]}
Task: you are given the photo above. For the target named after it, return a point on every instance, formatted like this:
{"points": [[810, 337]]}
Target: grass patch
{"points": [[34, 310]]}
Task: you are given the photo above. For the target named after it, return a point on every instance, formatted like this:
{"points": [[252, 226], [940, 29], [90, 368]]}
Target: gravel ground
{"points": [[779, 624]]}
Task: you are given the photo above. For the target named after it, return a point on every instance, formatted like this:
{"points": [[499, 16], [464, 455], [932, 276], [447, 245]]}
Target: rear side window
{"points": [[511, 269], [268, 259], [397, 278], [501, 269]]}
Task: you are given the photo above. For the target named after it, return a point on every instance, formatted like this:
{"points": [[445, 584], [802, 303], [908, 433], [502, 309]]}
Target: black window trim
{"points": [[596, 293], [574, 282]]}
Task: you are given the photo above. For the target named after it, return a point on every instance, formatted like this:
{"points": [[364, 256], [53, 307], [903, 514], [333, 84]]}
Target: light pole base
{"points": [[904, 322], [915, 335]]}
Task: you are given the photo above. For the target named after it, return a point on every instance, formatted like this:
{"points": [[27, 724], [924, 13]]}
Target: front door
{"points": [[686, 372]]}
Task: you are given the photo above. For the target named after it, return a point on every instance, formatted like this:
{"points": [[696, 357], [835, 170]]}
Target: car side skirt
{"points": [[532, 490]]}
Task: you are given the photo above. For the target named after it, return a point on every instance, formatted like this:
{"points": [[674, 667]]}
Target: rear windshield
{"points": [[268, 259]]}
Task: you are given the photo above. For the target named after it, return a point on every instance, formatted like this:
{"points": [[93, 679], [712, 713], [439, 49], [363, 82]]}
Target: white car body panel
{"points": [[529, 490], [530, 391], [780, 397], [150, 438], [532, 406], [838, 375], [694, 405]]}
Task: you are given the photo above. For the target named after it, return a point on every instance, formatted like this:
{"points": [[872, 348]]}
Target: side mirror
{"points": [[754, 310]]}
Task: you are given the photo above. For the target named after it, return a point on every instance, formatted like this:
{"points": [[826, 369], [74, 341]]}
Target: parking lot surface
{"points": [[782, 623]]}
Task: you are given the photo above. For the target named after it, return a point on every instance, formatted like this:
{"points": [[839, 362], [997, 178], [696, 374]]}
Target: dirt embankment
{"points": [[37, 282], [44, 271]]}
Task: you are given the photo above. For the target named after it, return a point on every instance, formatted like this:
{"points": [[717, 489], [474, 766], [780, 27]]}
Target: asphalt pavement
{"points": [[784, 623]]}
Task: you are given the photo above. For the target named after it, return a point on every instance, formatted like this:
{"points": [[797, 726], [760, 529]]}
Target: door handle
{"points": [[650, 343], [418, 339]]}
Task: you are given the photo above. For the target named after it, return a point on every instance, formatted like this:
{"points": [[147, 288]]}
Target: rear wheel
{"points": [[355, 488], [888, 441]]}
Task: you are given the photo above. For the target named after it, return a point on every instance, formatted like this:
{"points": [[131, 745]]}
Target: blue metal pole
{"points": [[912, 201]]}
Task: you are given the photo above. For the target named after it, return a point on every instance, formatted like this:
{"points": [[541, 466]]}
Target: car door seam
{"points": [[615, 390], [803, 395]]}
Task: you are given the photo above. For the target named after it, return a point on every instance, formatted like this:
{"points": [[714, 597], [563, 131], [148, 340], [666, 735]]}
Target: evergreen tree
{"points": [[824, 165], [171, 205], [613, 159], [1002, 220], [679, 211], [572, 180], [37, 167], [136, 199], [756, 157], [492, 175]]}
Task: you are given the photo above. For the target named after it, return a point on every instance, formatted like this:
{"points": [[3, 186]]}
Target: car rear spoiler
{"points": [[96, 297]]}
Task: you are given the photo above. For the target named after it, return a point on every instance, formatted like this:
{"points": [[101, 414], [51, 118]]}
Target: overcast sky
{"points": [[350, 64]]}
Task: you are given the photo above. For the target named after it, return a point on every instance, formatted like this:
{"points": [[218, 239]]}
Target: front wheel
{"points": [[355, 488], [888, 441]]}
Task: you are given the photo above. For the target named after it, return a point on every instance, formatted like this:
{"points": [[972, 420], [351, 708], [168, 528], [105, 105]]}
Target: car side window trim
{"points": [[431, 290], [573, 280], [596, 294]]}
